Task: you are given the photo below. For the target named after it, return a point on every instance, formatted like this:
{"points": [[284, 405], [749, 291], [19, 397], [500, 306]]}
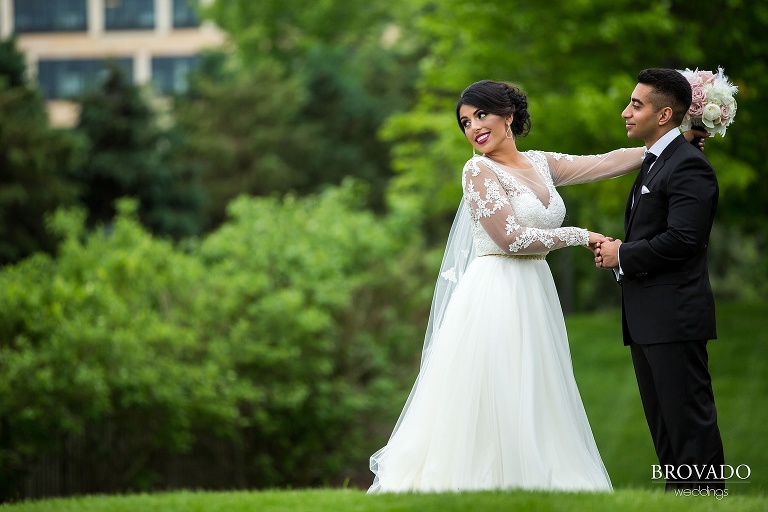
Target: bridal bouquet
{"points": [[712, 106]]}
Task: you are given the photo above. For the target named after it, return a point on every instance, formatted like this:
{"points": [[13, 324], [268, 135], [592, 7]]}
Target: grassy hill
{"points": [[358, 501]]}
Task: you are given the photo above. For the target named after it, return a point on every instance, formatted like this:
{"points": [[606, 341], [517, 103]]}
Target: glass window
{"points": [[129, 14], [69, 79], [185, 13], [169, 74], [50, 15]]}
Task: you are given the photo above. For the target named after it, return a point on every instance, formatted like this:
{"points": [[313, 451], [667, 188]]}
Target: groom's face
{"points": [[640, 115]]}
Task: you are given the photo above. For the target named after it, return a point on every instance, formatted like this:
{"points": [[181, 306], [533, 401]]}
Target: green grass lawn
{"points": [[357, 501], [603, 368]]}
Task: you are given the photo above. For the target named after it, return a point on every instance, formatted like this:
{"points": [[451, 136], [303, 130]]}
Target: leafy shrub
{"points": [[314, 298], [276, 334]]}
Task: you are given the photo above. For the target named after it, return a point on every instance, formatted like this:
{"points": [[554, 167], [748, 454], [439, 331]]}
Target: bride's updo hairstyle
{"points": [[500, 98]]}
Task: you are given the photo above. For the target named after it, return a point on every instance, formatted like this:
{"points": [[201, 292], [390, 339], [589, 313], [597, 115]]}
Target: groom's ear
{"points": [[665, 115]]}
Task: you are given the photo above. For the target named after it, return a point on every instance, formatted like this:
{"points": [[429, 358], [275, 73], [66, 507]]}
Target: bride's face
{"points": [[485, 131]]}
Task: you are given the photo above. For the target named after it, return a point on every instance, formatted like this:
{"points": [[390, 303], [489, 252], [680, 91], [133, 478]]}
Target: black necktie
{"points": [[644, 169], [647, 161]]}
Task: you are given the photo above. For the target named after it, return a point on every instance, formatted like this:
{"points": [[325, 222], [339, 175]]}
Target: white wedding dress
{"points": [[495, 405]]}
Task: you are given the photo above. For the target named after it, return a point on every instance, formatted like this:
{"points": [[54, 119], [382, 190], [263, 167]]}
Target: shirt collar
{"points": [[663, 142]]}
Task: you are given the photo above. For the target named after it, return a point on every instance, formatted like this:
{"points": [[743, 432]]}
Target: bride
{"points": [[496, 405]]}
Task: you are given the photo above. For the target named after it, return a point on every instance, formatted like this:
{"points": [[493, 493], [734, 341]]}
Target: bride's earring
{"points": [[508, 134]]}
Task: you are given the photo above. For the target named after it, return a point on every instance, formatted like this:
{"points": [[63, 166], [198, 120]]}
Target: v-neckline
{"points": [[535, 169]]}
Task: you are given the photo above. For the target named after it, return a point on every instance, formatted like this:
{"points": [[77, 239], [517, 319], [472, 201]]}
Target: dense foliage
{"points": [[131, 155], [298, 103], [285, 331], [35, 161]]}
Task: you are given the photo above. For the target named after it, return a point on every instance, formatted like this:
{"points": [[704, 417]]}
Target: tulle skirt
{"points": [[495, 405]]}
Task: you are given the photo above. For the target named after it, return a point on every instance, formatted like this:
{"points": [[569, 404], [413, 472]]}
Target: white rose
{"points": [[711, 115], [719, 92]]}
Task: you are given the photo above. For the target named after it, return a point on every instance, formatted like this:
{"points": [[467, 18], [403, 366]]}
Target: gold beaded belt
{"points": [[519, 256]]}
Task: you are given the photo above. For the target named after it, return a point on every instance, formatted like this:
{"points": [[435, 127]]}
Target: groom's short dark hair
{"points": [[670, 89]]}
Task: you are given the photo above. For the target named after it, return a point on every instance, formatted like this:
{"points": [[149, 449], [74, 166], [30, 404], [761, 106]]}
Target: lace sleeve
{"points": [[490, 206], [570, 169]]}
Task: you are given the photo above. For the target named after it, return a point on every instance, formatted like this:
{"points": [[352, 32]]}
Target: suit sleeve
{"points": [[691, 200]]}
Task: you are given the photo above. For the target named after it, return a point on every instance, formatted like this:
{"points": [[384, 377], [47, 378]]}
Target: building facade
{"points": [[69, 44]]}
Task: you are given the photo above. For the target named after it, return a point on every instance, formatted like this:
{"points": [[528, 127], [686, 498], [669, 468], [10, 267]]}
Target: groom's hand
{"points": [[595, 239], [607, 254]]}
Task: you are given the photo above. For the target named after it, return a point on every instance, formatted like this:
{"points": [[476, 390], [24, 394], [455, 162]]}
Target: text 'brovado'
{"points": [[700, 471]]}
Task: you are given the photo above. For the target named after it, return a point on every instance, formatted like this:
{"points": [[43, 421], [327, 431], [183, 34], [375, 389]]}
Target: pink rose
{"points": [[725, 115], [695, 81], [707, 77], [698, 100]]}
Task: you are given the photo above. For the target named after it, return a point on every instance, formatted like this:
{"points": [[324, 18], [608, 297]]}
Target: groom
{"points": [[668, 311]]}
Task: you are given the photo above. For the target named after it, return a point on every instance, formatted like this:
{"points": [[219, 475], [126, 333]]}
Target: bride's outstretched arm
{"points": [[572, 169]]}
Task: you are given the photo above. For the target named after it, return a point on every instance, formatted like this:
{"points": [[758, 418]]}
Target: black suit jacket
{"points": [[666, 294]]}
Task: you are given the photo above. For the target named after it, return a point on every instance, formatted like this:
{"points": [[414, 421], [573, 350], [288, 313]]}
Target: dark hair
{"points": [[500, 98], [670, 89]]}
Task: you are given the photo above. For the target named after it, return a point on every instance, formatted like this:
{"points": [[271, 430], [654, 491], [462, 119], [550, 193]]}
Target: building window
{"points": [[70, 79], [50, 16], [169, 74], [185, 13], [129, 14]]}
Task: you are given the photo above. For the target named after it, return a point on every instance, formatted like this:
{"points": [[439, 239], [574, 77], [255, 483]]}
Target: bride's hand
{"points": [[696, 136], [595, 239]]}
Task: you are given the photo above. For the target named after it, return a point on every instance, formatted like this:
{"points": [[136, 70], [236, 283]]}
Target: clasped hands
{"points": [[605, 250]]}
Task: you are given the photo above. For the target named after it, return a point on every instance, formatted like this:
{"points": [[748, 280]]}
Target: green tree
{"points": [[13, 67], [35, 161], [334, 72], [242, 129], [130, 155]]}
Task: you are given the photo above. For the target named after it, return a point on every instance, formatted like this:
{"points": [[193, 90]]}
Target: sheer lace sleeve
{"points": [[570, 169], [491, 207]]}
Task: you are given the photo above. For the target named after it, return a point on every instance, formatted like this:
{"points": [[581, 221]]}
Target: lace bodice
{"points": [[518, 211]]}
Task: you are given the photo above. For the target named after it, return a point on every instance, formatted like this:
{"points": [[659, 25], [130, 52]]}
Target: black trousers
{"points": [[676, 391]]}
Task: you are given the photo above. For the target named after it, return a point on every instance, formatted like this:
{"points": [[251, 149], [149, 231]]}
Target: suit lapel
{"points": [[663, 157], [661, 162], [630, 200]]}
